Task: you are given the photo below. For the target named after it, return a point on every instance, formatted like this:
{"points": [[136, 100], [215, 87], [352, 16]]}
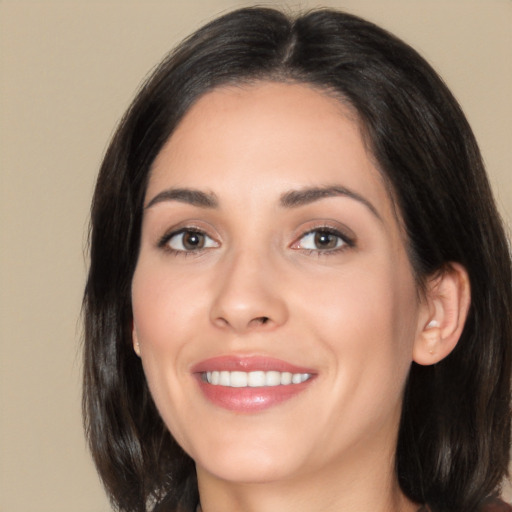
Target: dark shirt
{"points": [[495, 505], [489, 505]]}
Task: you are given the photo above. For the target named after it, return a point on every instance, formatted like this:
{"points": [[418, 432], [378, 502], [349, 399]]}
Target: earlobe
{"points": [[135, 339], [448, 297]]}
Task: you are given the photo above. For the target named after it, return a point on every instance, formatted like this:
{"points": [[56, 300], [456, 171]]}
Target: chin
{"points": [[247, 469], [254, 460]]}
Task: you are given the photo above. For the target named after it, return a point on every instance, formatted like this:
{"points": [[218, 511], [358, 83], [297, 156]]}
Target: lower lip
{"points": [[247, 400]]}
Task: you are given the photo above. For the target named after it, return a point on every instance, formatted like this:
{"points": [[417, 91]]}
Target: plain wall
{"points": [[68, 70]]}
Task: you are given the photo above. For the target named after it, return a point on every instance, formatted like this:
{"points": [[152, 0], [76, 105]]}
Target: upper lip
{"points": [[247, 364]]}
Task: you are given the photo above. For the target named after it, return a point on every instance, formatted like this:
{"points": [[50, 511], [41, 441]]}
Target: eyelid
{"points": [[186, 227], [345, 234]]}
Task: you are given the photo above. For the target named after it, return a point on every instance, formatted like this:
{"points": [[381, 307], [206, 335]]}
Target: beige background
{"points": [[67, 72]]}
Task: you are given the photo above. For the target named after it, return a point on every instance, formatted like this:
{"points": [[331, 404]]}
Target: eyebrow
{"points": [[297, 198], [291, 199], [186, 195]]}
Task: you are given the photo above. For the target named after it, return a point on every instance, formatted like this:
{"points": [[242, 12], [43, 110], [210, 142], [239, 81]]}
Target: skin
{"points": [[351, 313]]}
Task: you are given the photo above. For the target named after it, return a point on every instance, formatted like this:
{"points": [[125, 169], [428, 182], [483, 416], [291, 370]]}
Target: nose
{"points": [[249, 296]]}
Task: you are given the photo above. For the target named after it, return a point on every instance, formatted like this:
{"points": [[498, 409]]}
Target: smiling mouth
{"points": [[250, 384], [254, 379]]}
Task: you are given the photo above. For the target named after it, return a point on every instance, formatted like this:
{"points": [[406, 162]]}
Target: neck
{"points": [[421, 509]]}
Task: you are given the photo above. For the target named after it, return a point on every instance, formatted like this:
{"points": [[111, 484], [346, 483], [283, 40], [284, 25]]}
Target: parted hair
{"points": [[454, 436]]}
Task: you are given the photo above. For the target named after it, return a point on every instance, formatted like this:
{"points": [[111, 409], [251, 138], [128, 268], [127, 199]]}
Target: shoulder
{"points": [[495, 505]]}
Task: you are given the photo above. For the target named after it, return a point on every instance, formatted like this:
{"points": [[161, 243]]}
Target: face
{"points": [[275, 310]]}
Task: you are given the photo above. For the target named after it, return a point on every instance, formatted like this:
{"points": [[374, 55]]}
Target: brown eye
{"points": [[190, 240], [323, 240]]}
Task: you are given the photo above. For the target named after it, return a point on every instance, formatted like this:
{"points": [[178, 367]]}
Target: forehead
{"points": [[266, 137]]}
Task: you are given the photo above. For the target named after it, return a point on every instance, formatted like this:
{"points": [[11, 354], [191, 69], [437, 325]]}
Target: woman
{"points": [[299, 294]]}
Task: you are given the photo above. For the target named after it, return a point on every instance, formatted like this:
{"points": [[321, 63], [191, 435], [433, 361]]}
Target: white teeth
{"points": [[238, 380], [224, 379], [254, 379], [297, 378], [286, 378], [273, 378]]}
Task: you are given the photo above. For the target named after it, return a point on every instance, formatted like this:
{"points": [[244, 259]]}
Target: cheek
{"points": [[165, 316], [369, 297], [367, 316], [165, 307]]}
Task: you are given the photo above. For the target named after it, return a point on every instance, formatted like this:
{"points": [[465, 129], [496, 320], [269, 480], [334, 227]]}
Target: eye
{"points": [[323, 239], [187, 240]]}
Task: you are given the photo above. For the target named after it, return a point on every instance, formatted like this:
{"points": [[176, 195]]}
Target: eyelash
{"points": [[164, 242], [346, 241]]}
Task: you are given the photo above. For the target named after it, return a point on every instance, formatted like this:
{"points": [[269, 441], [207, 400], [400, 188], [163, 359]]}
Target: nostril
{"points": [[260, 320]]}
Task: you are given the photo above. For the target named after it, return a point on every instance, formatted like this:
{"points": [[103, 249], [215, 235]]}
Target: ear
{"points": [[447, 298], [135, 339]]}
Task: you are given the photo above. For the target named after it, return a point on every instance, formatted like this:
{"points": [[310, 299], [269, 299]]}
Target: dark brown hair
{"points": [[454, 435]]}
